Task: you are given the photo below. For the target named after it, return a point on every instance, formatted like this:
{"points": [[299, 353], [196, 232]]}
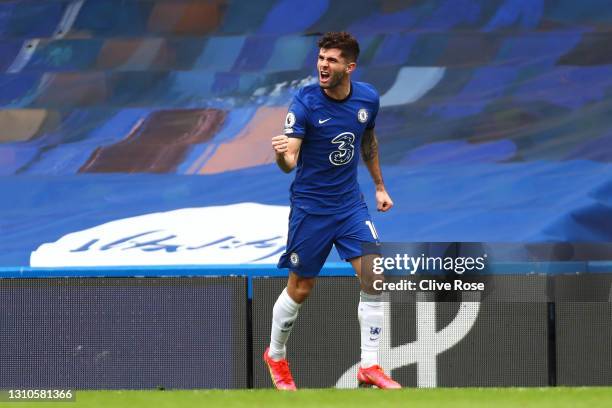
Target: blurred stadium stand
{"points": [[493, 127]]}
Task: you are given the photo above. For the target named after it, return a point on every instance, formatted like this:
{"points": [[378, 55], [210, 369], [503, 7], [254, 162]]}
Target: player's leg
{"points": [[356, 231], [299, 287], [285, 312], [308, 245], [370, 312]]}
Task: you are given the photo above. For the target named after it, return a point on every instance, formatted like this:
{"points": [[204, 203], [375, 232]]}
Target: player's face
{"points": [[332, 67]]}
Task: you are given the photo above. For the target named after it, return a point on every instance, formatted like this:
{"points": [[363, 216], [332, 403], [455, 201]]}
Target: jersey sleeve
{"points": [[372, 121], [295, 121]]}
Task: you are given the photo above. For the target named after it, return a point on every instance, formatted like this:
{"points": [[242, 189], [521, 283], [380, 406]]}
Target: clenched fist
{"points": [[280, 144]]}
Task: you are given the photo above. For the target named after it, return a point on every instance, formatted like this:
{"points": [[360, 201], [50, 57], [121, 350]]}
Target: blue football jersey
{"points": [[331, 131]]}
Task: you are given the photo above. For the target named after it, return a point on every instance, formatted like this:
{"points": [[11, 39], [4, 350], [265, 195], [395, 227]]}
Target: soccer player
{"points": [[328, 125]]}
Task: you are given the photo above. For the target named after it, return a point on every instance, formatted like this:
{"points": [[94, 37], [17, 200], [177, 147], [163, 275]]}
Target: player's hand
{"points": [[280, 144], [383, 201]]}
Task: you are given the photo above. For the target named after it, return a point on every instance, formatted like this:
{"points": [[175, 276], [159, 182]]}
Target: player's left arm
{"points": [[369, 154]]}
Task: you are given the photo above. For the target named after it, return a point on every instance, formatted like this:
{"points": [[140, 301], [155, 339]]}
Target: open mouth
{"points": [[324, 76]]}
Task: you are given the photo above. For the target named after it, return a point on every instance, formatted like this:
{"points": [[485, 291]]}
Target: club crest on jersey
{"points": [[362, 115], [289, 122], [294, 259]]}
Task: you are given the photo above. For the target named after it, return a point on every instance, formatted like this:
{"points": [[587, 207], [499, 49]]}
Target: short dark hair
{"points": [[342, 40]]}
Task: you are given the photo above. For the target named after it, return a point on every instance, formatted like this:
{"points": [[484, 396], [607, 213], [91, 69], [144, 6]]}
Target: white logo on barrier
{"points": [[229, 234], [428, 344]]}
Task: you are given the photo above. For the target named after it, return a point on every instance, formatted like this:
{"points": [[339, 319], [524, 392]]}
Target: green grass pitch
{"points": [[592, 397]]}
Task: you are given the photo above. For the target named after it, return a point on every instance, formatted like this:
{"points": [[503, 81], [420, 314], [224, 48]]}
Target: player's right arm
{"points": [[287, 146], [287, 150]]}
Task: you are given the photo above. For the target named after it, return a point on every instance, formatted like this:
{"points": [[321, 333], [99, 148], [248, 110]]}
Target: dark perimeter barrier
{"points": [[130, 333], [584, 330], [425, 343], [191, 327]]}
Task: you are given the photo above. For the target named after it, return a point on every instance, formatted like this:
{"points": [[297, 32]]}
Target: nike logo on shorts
{"points": [[323, 121]]}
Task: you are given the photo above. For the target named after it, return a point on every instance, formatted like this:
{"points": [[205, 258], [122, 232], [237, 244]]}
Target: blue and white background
{"points": [[137, 133]]}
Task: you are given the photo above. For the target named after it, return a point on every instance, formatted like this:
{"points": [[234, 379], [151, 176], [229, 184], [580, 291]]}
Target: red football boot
{"points": [[367, 377], [280, 373]]}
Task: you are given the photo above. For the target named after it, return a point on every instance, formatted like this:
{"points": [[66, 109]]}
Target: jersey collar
{"points": [[339, 100]]}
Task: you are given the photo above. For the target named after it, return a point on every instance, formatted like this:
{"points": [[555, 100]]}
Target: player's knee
{"points": [[302, 293], [304, 287], [371, 288], [371, 283], [299, 289]]}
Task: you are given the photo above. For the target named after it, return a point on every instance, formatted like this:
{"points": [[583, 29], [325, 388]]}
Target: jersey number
{"points": [[345, 151]]}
